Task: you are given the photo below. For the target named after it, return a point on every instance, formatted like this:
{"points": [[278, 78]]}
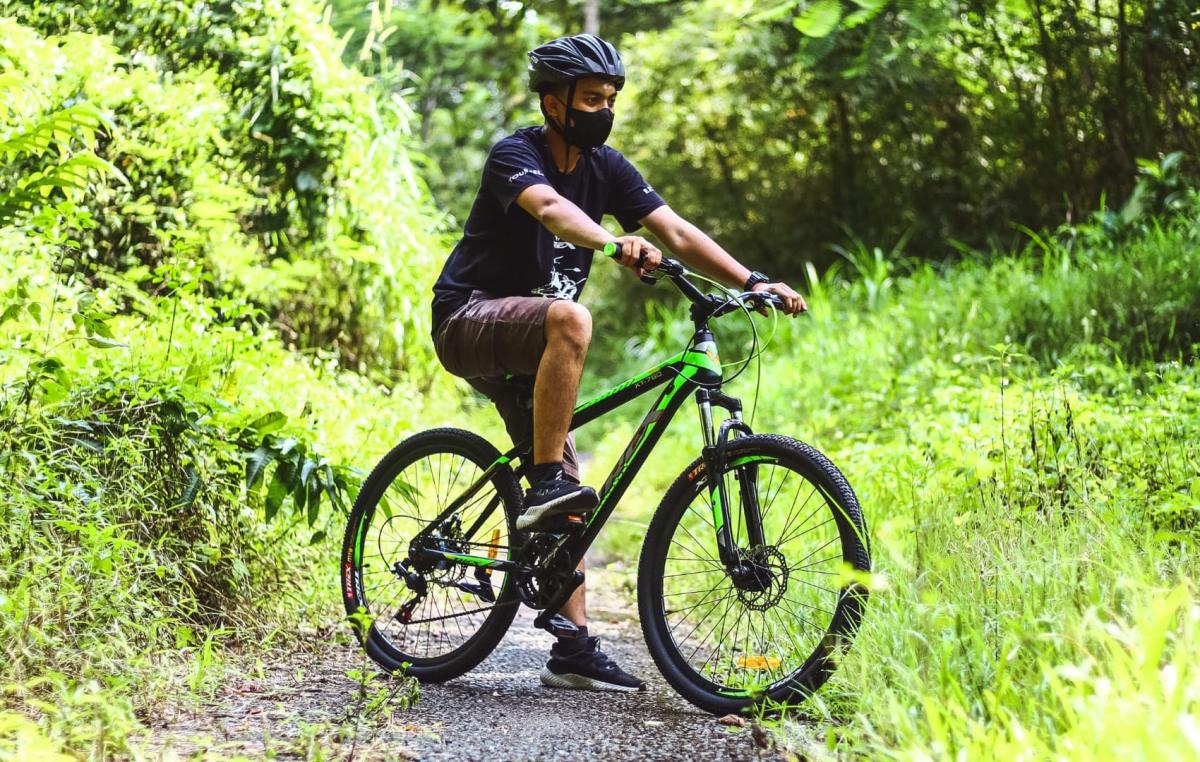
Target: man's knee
{"points": [[569, 322]]}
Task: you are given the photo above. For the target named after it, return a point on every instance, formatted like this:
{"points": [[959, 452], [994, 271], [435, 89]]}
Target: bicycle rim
{"points": [[737, 640], [430, 628]]}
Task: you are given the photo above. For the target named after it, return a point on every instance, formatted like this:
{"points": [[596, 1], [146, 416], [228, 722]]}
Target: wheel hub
{"points": [[760, 577]]}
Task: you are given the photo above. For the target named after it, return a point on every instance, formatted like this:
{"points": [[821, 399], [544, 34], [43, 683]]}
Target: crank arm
{"points": [[543, 619]]}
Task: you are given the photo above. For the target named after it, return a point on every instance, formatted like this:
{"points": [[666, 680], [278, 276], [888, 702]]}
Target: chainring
{"points": [[551, 570]]}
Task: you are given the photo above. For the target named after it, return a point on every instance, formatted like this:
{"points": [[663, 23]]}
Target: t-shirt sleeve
{"points": [[512, 166], [630, 197]]}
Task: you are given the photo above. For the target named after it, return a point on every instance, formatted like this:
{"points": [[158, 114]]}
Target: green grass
{"points": [[1022, 439]]}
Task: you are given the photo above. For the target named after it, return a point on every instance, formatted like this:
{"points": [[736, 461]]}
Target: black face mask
{"points": [[585, 129], [588, 129]]}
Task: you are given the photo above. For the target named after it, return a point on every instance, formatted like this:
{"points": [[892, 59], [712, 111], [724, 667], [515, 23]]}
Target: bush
{"points": [[174, 474], [251, 157]]}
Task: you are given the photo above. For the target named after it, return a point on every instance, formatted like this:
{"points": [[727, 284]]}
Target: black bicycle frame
{"points": [[696, 369]]}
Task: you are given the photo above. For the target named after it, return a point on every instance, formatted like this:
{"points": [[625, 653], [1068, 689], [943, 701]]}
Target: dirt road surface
{"points": [[306, 706]]}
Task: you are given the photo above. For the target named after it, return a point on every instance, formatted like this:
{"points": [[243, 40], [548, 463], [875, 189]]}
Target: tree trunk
{"points": [[1067, 158], [591, 17], [848, 185]]}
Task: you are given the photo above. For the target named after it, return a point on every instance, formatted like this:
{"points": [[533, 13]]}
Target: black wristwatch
{"points": [[755, 278]]}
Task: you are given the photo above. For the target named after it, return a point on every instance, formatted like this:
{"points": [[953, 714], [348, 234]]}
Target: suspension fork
{"points": [[714, 462]]}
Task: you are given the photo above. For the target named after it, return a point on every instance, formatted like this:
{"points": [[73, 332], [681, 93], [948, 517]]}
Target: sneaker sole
{"points": [[580, 683], [582, 501]]}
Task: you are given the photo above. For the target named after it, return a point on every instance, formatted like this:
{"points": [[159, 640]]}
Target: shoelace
{"points": [[599, 659], [548, 486]]}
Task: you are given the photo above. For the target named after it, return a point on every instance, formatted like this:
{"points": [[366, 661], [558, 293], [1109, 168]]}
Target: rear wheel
{"points": [[437, 620], [774, 630]]}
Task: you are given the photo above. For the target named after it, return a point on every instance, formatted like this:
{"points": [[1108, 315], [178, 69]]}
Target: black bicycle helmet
{"points": [[567, 59]]}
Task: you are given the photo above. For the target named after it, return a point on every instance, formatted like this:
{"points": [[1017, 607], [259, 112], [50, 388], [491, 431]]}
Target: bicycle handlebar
{"points": [[677, 274]]}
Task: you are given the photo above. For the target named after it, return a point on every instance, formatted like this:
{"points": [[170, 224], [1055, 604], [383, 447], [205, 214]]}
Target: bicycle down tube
{"points": [[682, 374]]}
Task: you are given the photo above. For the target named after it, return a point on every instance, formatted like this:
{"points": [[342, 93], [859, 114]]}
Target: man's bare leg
{"points": [[575, 608], [574, 662], [568, 334]]}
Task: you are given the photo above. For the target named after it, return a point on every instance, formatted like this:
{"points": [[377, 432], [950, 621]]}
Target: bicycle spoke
{"points": [[815, 551], [446, 617], [686, 574], [807, 568], [712, 605], [701, 603], [770, 497], [759, 635], [798, 533], [718, 623], [792, 512], [808, 606], [699, 544]]}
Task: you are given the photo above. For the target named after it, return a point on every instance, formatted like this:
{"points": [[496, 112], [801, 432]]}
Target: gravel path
{"points": [[296, 707]]}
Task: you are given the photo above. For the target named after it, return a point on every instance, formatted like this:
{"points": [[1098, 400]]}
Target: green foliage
{"points": [[1021, 436], [465, 66], [173, 471], [778, 126], [252, 159], [935, 120]]}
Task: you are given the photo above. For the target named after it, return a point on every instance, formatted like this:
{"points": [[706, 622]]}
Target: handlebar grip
{"points": [[611, 249]]}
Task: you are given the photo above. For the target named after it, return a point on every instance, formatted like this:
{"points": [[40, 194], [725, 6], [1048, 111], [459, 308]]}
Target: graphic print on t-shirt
{"points": [[561, 286], [561, 244]]}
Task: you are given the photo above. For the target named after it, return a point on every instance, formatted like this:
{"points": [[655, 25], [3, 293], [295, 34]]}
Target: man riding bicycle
{"points": [[505, 311]]}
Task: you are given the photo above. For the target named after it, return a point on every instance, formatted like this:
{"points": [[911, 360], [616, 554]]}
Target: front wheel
{"points": [[771, 629]]}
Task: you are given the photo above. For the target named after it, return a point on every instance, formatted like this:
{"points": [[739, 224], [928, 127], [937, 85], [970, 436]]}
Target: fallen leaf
{"points": [[732, 720]]}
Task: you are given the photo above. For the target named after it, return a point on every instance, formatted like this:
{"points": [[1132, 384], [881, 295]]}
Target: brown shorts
{"points": [[496, 344]]}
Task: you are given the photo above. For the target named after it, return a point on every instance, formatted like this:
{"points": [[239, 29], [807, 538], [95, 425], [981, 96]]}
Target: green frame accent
{"points": [[752, 459], [628, 384], [470, 560], [682, 373]]}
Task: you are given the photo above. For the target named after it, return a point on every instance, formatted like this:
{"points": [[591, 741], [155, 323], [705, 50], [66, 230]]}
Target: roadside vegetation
{"points": [[1022, 436], [217, 241], [194, 288]]}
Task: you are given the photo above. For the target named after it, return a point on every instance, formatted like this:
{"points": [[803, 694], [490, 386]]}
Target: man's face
{"points": [[591, 94]]}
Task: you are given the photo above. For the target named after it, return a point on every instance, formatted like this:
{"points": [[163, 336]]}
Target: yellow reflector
{"points": [[495, 539], [758, 662]]}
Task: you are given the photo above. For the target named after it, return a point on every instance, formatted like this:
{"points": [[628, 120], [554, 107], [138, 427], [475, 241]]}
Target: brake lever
{"points": [[759, 301]]}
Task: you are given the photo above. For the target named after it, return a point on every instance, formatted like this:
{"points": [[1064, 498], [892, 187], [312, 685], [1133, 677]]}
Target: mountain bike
{"points": [[748, 582]]}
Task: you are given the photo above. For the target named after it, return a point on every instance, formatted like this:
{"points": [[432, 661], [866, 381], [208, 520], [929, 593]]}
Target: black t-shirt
{"points": [[506, 252]]}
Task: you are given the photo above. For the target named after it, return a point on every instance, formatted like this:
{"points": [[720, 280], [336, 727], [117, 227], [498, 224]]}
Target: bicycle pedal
{"points": [[561, 627], [564, 523], [483, 589]]}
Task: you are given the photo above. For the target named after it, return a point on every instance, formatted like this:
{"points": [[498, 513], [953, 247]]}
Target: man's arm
{"points": [[567, 221], [703, 253]]}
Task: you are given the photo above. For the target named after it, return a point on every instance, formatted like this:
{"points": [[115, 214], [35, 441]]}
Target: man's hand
{"points": [[793, 303], [631, 250]]}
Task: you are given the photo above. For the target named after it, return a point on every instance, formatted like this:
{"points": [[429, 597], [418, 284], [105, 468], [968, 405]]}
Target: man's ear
{"points": [[552, 104]]}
